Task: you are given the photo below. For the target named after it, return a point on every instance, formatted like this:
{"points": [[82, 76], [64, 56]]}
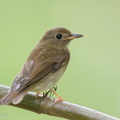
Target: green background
{"points": [[93, 75]]}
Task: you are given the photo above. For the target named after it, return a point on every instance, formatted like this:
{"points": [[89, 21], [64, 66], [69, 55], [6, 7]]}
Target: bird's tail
{"points": [[7, 99], [14, 97]]}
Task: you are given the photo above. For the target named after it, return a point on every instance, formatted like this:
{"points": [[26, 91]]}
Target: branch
{"points": [[60, 109]]}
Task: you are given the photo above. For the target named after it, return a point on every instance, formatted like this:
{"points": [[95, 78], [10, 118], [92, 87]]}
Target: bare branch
{"points": [[60, 109]]}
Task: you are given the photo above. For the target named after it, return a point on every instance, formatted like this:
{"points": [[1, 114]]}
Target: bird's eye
{"points": [[58, 36]]}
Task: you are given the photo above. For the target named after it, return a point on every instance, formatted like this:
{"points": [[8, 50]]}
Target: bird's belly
{"points": [[48, 81]]}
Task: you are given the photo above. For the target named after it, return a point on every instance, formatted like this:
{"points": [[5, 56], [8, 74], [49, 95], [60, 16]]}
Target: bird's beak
{"points": [[73, 36], [76, 35]]}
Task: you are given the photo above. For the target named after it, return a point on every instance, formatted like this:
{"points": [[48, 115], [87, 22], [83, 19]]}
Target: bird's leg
{"points": [[59, 98], [46, 93], [55, 88]]}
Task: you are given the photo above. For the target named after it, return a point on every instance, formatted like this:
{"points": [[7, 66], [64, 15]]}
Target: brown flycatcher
{"points": [[45, 65]]}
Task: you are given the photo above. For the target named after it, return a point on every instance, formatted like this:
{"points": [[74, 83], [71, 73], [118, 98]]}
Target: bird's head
{"points": [[60, 37]]}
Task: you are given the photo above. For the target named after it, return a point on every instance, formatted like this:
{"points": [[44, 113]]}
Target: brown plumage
{"points": [[44, 66]]}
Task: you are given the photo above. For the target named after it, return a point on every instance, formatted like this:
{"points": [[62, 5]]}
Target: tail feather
{"points": [[14, 97], [20, 96], [7, 99]]}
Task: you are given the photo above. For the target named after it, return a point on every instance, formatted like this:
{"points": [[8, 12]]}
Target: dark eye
{"points": [[58, 36]]}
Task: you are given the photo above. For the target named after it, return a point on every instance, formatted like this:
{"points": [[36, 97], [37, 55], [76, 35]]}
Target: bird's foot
{"points": [[38, 94], [59, 98]]}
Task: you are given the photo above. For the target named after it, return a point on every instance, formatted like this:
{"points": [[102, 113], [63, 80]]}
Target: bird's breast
{"points": [[49, 80]]}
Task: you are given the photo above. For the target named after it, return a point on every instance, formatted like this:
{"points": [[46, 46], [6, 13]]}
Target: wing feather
{"points": [[36, 67]]}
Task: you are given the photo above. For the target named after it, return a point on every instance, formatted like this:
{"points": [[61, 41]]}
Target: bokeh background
{"points": [[93, 75]]}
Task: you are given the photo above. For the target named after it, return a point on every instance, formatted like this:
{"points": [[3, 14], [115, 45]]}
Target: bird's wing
{"points": [[36, 67]]}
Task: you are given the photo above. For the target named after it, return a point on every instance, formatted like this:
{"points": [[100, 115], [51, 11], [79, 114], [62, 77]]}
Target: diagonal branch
{"points": [[60, 109]]}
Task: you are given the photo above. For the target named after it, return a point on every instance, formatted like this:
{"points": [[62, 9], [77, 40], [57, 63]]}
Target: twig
{"points": [[60, 109]]}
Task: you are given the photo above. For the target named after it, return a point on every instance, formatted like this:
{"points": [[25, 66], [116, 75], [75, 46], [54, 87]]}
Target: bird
{"points": [[44, 67]]}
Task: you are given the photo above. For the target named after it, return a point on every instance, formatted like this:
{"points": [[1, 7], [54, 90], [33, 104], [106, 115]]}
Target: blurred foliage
{"points": [[93, 75]]}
